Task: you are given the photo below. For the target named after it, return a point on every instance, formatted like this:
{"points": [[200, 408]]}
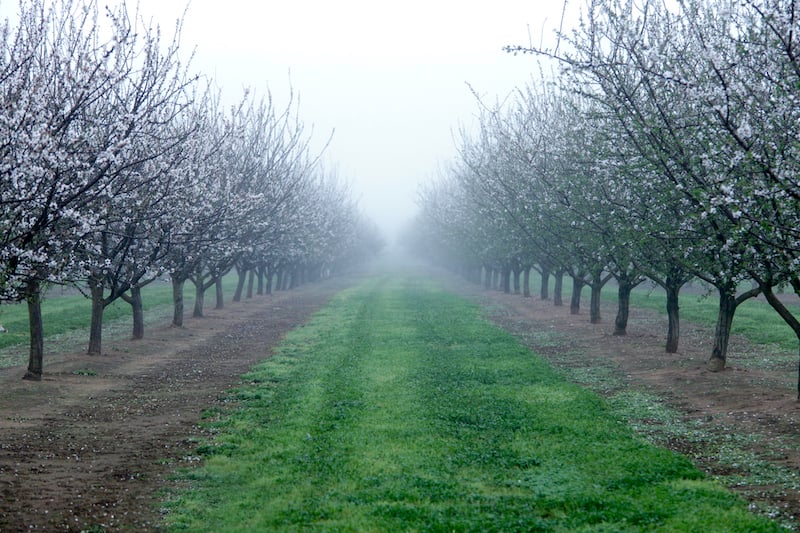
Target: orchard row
{"points": [[119, 165], [665, 146]]}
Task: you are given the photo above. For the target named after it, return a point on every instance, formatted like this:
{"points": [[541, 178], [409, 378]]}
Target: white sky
{"points": [[390, 77]]}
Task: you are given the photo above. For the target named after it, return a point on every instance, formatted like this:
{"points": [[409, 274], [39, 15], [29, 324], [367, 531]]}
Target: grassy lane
{"points": [[398, 409]]}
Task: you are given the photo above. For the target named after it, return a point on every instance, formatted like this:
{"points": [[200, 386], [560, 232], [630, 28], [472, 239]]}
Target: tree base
{"points": [[715, 364], [32, 376]]}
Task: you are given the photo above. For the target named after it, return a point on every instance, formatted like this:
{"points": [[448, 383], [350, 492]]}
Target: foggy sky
{"points": [[389, 77]]}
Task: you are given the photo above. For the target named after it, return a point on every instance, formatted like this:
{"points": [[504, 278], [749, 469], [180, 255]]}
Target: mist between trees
{"points": [[666, 147], [119, 165]]}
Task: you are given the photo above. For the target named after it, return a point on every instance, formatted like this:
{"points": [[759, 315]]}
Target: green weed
{"points": [[66, 317], [398, 409]]}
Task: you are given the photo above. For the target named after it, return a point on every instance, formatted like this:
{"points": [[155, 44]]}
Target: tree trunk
{"points": [[728, 302], [673, 287], [251, 278], [199, 298], [517, 287], [787, 316], [506, 280], [487, 278], [33, 295], [96, 324], [279, 281], [558, 289], [260, 270], [177, 300], [220, 294], [526, 282], [727, 308], [268, 288], [623, 307], [575, 301], [544, 287], [137, 309], [594, 303], [242, 273]]}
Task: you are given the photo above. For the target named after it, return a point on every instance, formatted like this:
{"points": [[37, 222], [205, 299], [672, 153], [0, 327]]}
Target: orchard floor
{"points": [[753, 402], [94, 445]]}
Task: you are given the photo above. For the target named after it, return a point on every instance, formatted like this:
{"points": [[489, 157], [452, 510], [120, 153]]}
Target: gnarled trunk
{"points": [[575, 302], [220, 295], [526, 282], [268, 288], [241, 272], [96, 323], [33, 296], [558, 289], [177, 300], [251, 276], [722, 332], [137, 310], [728, 302], [199, 298], [544, 287], [623, 307], [594, 303], [787, 316], [260, 271], [673, 287], [597, 284]]}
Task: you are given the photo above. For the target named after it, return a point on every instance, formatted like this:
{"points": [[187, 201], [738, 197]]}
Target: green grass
{"points": [[754, 319], [397, 408], [66, 315]]}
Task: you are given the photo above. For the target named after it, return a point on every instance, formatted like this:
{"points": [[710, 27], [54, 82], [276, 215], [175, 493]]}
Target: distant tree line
{"points": [[667, 147], [119, 166]]}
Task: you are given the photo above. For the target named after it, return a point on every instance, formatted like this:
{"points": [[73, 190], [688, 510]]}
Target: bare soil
{"points": [[94, 445]]}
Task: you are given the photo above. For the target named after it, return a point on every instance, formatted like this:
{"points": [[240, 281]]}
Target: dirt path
{"points": [[90, 446], [751, 406]]}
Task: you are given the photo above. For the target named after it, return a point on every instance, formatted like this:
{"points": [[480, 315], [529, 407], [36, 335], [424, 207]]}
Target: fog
{"points": [[391, 78]]}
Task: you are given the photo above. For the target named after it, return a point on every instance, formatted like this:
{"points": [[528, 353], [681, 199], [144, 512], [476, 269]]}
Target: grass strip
{"points": [[70, 312], [755, 319], [398, 409], [66, 316]]}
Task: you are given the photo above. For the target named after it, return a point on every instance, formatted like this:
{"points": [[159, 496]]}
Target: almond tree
{"points": [[125, 250], [63, 144], [626, 58], [501, 185], [203, 212], [751, 94], [280, 168], [451, 229]]}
